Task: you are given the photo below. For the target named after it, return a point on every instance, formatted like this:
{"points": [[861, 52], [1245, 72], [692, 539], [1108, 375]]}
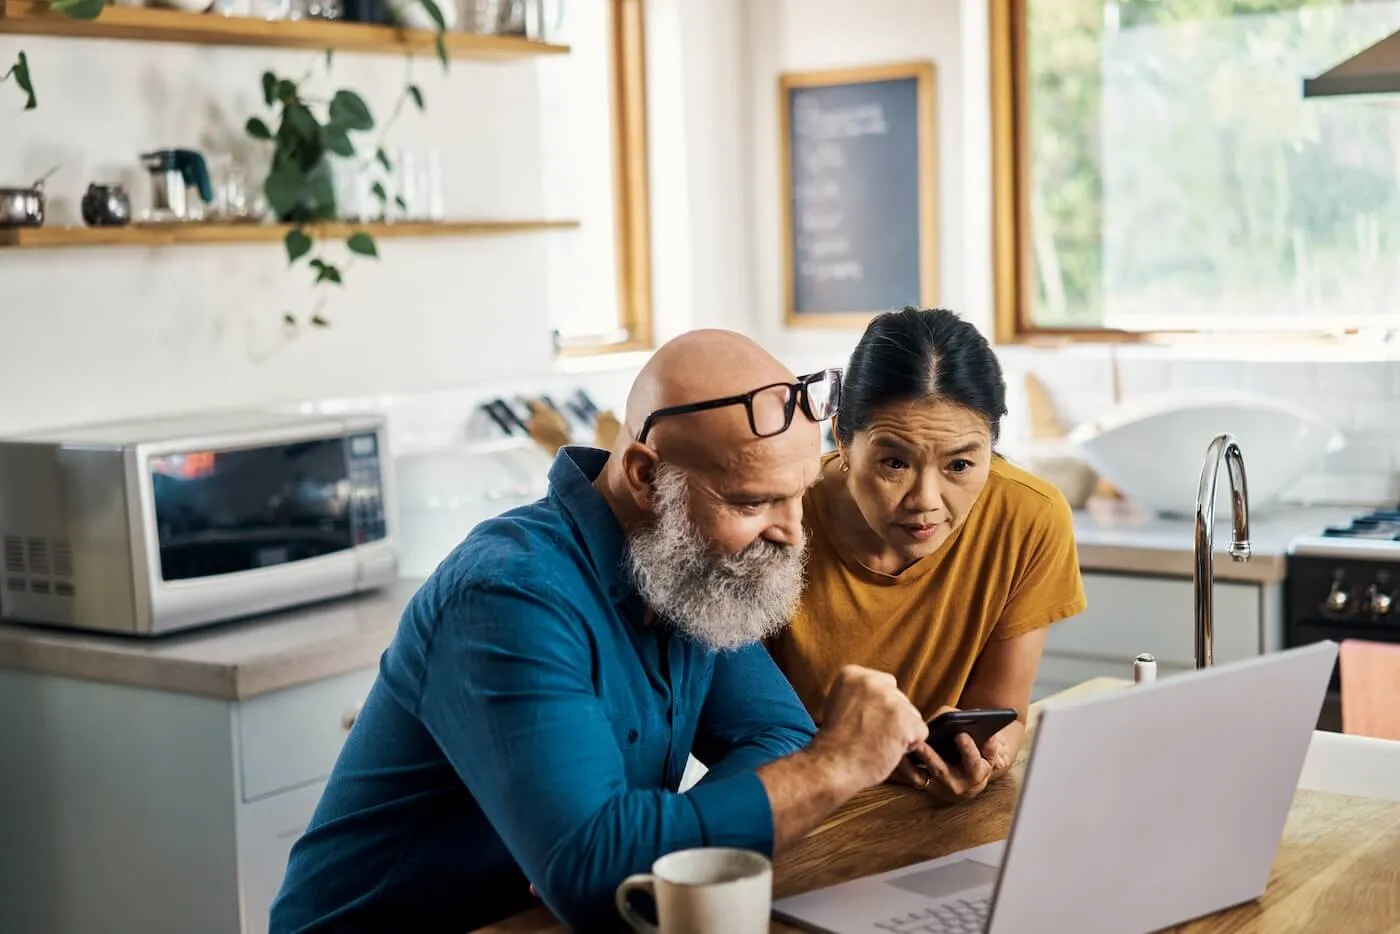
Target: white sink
{"points": [[1152, 447]]}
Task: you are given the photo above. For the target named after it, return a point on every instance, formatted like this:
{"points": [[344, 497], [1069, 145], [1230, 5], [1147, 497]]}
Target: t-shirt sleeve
{"points": [[1048, 586]]}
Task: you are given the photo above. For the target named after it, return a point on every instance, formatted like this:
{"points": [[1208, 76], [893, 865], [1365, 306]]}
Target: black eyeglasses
{"points": [[770, 408]]}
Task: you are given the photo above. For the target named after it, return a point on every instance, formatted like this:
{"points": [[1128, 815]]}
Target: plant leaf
{"points": [[403, 205], [362, 243], [288, 319], [79, 9], [20, 69], [319, 322], [283, 189], [334, 139], [415, 92], [441, 45], [383, 158], [286, 91], [330, 53], [322, 188], [328, 273], [435, 12], [349, 111], [257, 129], [269, 86], [301, 121], [377, 189], [298, 244]]}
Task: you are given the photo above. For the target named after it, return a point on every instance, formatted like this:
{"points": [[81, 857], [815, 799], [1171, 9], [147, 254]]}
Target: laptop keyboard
{"points": [[960, 916]]}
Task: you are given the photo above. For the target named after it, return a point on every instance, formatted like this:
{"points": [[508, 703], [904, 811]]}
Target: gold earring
{"points": [[845, 467]]}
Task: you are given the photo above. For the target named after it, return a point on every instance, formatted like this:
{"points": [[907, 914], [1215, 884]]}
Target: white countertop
{"points": [[233, 660], [1116, 537]]}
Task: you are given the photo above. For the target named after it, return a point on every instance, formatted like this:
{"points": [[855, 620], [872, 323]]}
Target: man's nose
{"points": [[785, 525]]}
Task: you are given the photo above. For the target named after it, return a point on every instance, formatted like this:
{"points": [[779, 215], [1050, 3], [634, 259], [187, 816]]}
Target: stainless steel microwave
{"points": [[148, 527]]}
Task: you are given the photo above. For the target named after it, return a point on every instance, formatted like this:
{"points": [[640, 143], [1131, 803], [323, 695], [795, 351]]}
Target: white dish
{"points": [[1153, 447]]}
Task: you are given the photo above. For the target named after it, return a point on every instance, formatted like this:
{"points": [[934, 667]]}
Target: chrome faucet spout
{"points": [[1222, 447]]}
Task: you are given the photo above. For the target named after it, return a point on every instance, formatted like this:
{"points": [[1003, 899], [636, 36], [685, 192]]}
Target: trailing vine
{"points": [[19, 71], [299, 186]]}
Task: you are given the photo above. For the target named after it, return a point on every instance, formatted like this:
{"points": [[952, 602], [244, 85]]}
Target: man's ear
{"points": [[639, 464]]}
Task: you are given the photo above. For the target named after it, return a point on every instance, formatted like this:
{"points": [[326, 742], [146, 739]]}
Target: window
{"points": [[594, 108], [1157, 168]]}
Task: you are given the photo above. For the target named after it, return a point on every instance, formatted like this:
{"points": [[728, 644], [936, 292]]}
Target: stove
{"points": [[1342, 583]]}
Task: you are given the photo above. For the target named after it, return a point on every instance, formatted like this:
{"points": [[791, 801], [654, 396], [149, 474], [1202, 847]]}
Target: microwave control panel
{"points": [[367, 498]]}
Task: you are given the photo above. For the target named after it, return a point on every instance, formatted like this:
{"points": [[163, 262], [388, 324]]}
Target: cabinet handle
{"points": [[351, 716]]}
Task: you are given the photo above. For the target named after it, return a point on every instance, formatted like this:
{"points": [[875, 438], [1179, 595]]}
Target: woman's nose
{"points": [[926, 494]]}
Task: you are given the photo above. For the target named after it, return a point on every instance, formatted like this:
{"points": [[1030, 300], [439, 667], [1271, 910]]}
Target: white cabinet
{"points": [[133, 811], [1130, 613], [266, 831]]}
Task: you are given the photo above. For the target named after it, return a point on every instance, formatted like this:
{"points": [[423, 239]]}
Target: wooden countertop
{"points": [[232, 661], [1338, 867], [1117, 537]]}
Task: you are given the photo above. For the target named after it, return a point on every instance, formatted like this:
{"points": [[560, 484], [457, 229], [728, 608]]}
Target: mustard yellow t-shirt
{"points": [[1011, 568]]}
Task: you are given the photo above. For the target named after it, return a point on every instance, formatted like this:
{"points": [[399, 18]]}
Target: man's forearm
{"points": [[803, 790]]}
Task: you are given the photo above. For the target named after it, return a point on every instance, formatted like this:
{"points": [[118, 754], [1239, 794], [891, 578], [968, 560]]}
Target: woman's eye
{"points": [[961, 465], [895, 463]]}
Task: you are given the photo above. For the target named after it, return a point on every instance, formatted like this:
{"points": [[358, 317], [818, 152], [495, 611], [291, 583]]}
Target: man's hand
{"points": [[868, 726]]}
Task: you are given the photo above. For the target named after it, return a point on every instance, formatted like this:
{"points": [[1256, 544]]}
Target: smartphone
{"points": [[980, 723]]}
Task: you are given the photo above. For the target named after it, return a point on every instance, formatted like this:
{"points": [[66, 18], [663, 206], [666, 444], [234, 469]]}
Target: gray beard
{"points": [[723, 602]]}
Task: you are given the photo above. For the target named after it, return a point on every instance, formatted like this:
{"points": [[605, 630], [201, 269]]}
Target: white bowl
{"points": [[1153, 447]]}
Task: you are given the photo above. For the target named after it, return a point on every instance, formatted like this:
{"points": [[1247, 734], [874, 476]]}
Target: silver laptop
{"points": [[1140, 809]]}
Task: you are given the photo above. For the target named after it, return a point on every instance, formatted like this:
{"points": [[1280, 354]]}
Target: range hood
{"points": [[1374, 70]]}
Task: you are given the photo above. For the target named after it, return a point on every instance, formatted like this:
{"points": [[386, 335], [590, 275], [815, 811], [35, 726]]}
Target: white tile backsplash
{"points": [[1360, 396], [1356, 378], [1206, 374]]}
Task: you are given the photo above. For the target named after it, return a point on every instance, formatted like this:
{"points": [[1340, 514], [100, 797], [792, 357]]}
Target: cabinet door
{"points": [[266, 831], [1129, 614]]}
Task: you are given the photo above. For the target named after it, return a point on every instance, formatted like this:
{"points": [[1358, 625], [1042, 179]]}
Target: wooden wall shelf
{"points": [[34, 18], [214, 233]]}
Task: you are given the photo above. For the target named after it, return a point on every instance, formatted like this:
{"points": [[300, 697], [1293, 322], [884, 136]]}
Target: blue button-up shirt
{"points": [[528, 725]]}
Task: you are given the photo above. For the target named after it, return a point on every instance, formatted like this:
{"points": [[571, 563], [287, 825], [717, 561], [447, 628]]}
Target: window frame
{"points": [[1013, 261], [631, 197]]}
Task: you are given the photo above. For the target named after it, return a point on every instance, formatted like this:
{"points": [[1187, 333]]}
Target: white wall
{"points": [[96, 333]]}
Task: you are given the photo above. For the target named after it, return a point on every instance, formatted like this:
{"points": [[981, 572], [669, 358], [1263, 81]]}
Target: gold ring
{"points": [[928, 779]]}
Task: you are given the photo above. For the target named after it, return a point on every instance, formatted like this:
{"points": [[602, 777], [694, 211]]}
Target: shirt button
{"points": [[632, 736]]}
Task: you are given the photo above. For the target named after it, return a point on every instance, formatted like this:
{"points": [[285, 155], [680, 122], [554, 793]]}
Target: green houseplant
{"points": [[304, 132]]}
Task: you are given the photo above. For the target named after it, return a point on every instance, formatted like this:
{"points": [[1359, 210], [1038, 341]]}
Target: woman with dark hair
{"points": [[930, 556]]}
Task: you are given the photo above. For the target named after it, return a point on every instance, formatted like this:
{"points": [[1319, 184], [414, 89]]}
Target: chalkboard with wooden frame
{"points": [[858, 180]]}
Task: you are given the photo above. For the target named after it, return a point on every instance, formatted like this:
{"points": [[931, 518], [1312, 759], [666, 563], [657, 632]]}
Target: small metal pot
{"points": [[106, 206], [22, 207]]}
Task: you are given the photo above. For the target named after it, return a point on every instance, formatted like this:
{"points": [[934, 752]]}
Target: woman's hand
{"points": [[951, 783], [925, 769]]}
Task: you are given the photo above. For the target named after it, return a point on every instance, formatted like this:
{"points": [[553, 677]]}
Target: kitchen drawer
{"points": [[291, 737]]}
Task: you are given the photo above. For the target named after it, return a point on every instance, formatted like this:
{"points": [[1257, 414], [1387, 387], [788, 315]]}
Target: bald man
{"points": [[533, 717]]}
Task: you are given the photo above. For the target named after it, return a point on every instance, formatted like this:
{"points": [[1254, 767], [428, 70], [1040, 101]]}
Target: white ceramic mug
{"points": [[711, 890]]}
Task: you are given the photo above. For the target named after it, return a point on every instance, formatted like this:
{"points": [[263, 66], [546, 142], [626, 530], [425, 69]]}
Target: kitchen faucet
{"points": [[1222, 446]]}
